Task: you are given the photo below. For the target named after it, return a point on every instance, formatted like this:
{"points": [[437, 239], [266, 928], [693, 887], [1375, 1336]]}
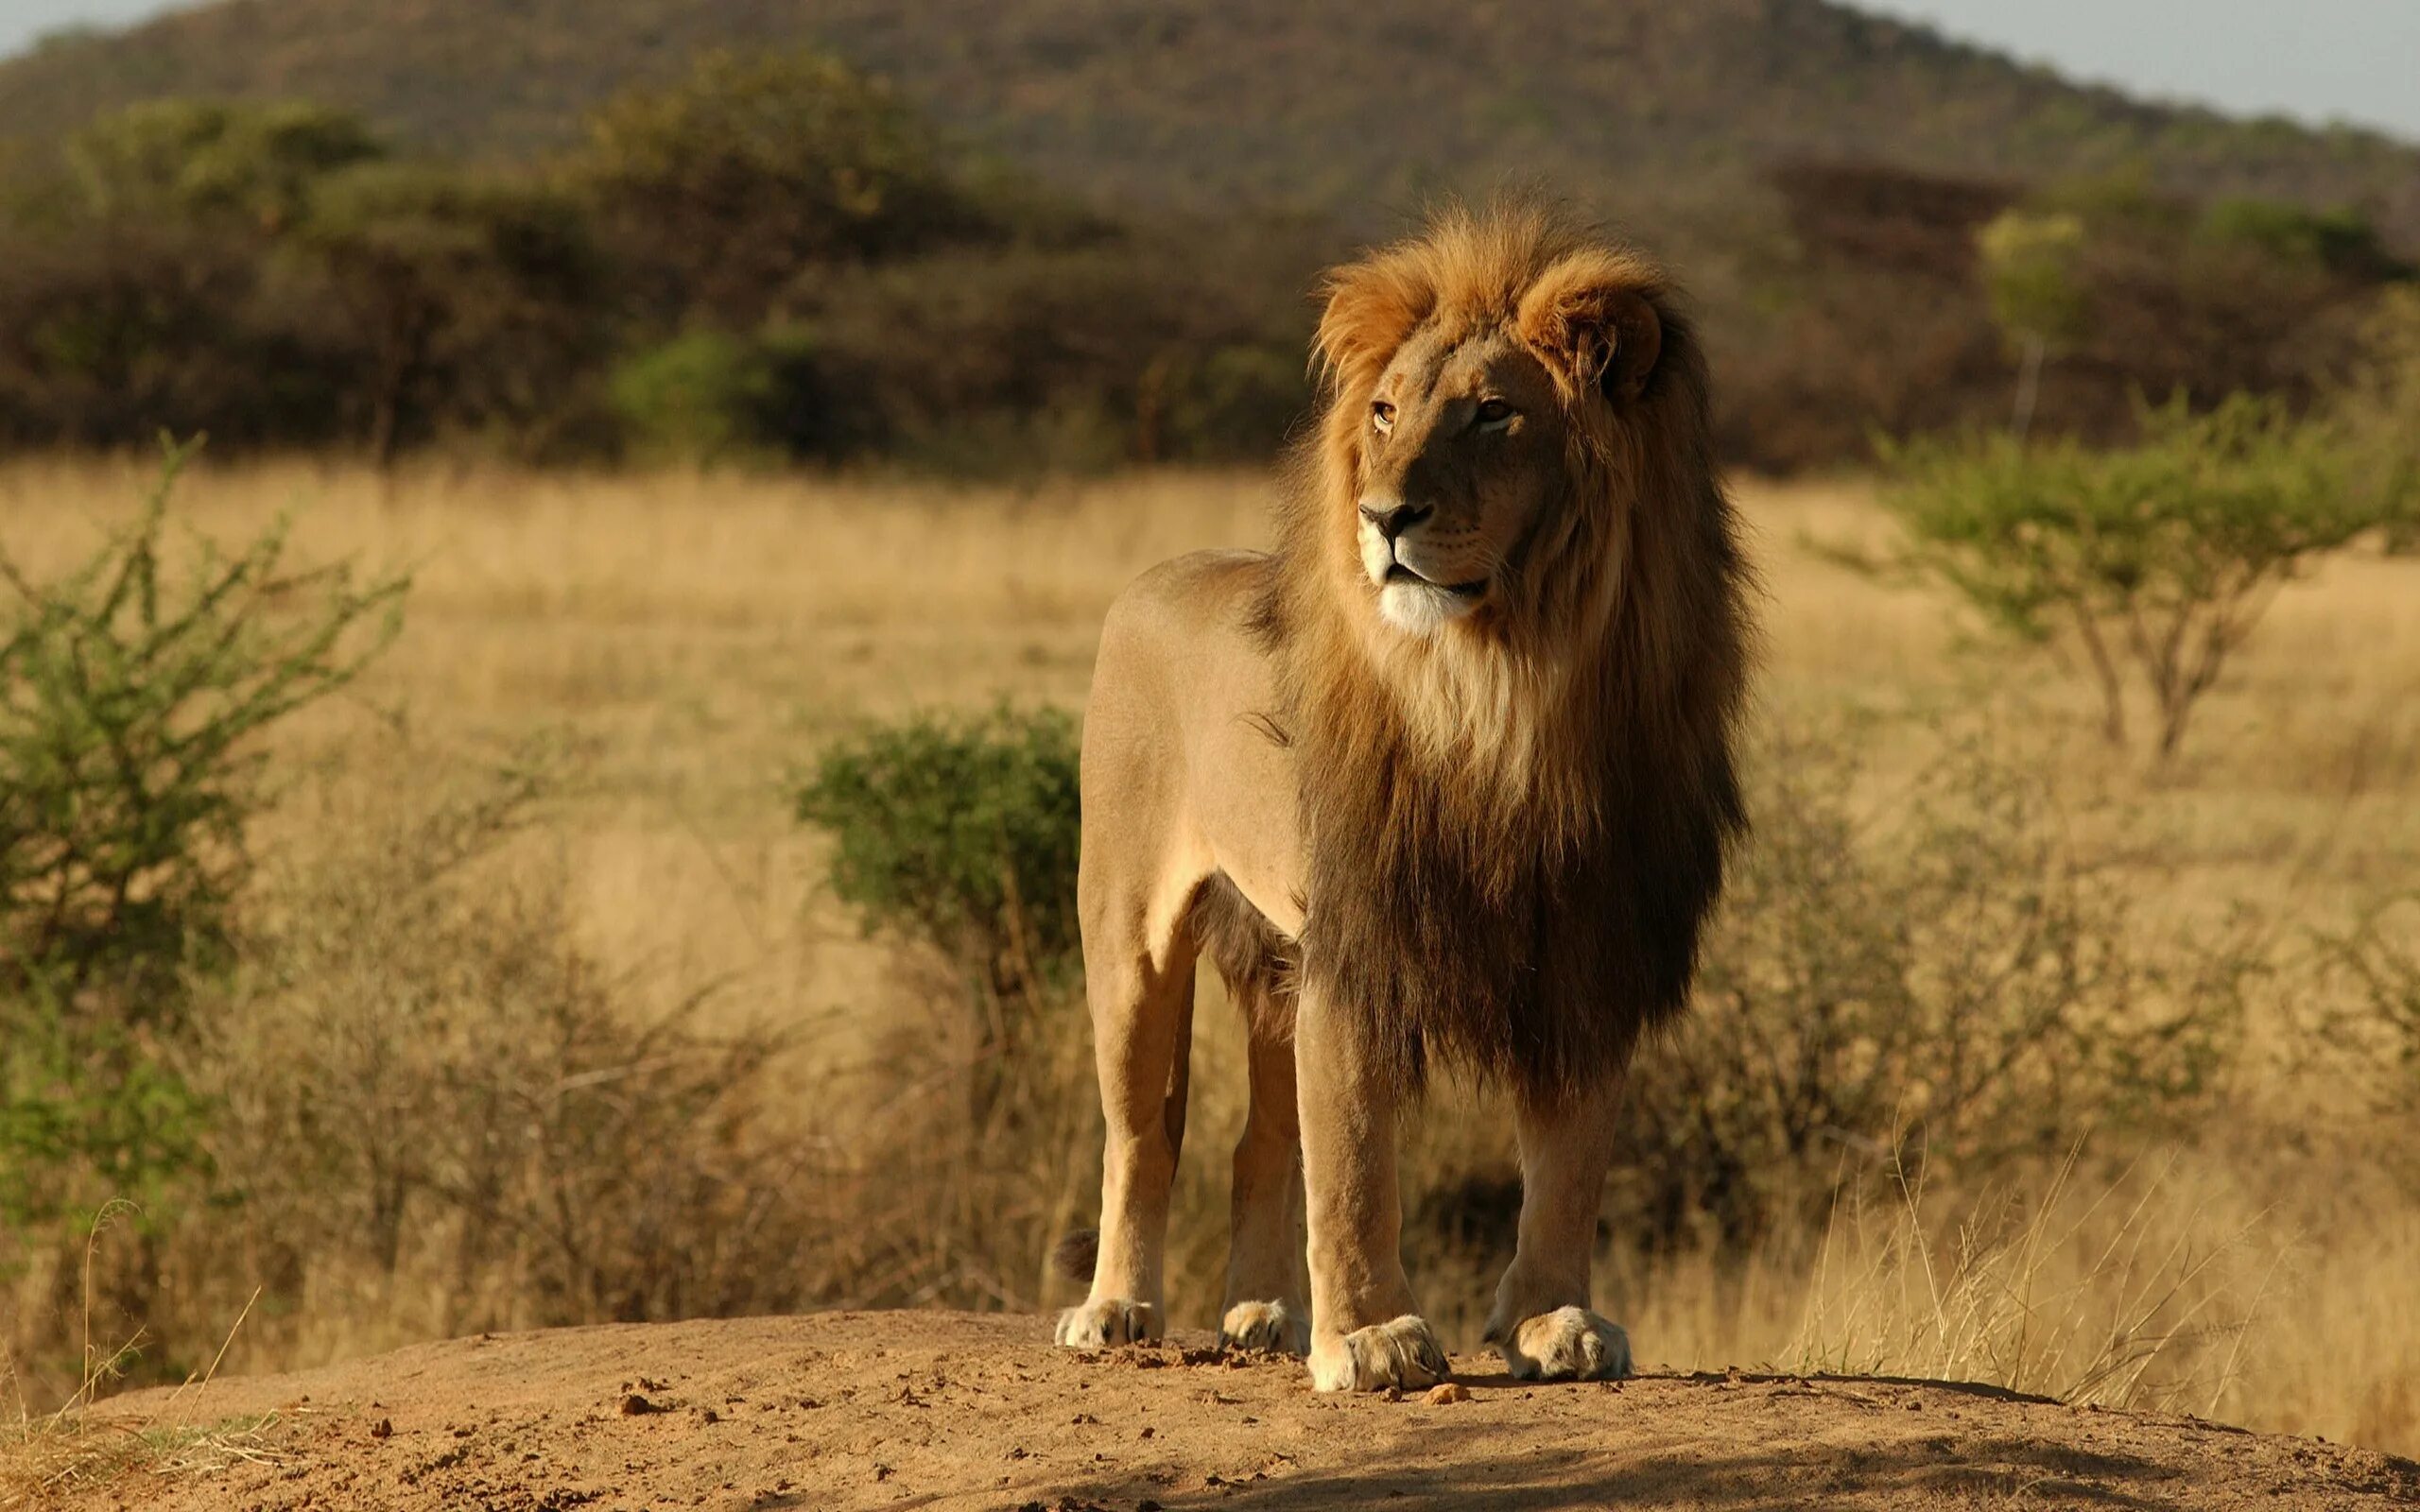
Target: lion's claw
{"points": [[1110, 1321], [1568, 1344], [1403, 1354], [1271, 1326]]}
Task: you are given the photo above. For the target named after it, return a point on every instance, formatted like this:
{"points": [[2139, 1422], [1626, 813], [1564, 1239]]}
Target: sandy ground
{"points": [[951, 1410]]}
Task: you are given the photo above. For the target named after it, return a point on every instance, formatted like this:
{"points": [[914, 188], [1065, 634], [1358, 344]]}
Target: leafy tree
{"points": [[2338, 241], [723, 186], [256, 162], [481, 297], [110, 330], [2378, 407], [2159, 556], [2029, 271]]}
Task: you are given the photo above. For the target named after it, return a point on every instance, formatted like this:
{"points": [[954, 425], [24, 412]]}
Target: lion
{"points": [[1445, 779]]}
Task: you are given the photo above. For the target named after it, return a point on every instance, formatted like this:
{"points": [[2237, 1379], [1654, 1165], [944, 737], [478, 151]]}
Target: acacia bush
{"points": [[134, 690]]}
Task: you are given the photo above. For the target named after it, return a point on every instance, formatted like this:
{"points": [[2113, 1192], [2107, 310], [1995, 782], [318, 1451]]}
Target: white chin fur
{"points": [[1418, 609]]}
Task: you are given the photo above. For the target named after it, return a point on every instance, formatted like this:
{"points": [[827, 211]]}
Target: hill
{"points": [[1129, 200], [958, 1410], [1645, 109]]}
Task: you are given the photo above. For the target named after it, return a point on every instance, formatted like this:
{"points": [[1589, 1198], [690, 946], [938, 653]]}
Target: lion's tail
{"points": [[1076, 1253]]}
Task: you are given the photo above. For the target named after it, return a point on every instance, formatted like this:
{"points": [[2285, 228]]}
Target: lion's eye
{"points": [[1382, 415], [1493, 412]]}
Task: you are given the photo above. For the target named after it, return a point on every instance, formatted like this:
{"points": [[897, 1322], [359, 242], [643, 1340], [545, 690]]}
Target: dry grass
{"points": [[689, 638], [45, 1459]]}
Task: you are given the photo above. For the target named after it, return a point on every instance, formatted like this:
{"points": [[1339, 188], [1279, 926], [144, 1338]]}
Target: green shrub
{"points": [[133, 694], [959, 835], [2159, 558], [701, 397]]}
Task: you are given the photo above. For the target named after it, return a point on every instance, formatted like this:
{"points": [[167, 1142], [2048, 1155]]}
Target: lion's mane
{"points": [[1513, 838]]}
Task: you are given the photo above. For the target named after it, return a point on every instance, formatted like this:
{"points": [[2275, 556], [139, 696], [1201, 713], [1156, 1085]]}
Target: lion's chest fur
{"points": [[1526, 926]]}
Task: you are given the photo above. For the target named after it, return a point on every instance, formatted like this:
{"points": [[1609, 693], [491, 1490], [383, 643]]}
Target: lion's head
{"points": [[1508, 614], [1482, 377]]}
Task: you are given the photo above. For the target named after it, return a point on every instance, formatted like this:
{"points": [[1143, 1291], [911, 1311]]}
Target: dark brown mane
{"points": [[1510, 851]]}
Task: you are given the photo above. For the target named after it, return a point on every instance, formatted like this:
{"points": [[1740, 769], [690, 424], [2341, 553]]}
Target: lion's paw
{"points": [[1568, 1344], [1404, 1354], [1271, 1326], [1110, 1321]]}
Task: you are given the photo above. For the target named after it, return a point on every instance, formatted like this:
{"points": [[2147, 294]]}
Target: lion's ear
{"points": [[1601, 333], [1371, 307]]}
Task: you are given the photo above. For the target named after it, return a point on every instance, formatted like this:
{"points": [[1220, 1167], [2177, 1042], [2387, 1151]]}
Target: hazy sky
{"points": [[2317, 59]]}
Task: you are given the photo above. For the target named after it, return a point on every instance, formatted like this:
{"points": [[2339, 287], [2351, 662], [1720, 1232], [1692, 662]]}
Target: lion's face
{"points": [[1462, 463]]}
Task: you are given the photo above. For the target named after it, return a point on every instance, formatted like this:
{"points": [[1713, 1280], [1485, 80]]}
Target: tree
{"points": [[112, 330], [2378, 407], [2162, 556], [2030, 272], [723, 186], [480, 296], [253, 162]]}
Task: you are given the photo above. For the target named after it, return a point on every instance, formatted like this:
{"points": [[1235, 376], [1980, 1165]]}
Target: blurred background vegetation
{"points": [[1054, 236]]}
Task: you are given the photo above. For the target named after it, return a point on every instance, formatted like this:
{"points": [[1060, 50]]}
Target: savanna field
{"points": [[2021, 1059]]}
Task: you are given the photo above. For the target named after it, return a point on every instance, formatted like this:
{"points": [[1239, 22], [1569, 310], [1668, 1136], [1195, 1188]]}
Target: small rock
{"points": [[1446, 1393], [707, 1414], [1392, 1394], [383, 1428], [634, 1406]]}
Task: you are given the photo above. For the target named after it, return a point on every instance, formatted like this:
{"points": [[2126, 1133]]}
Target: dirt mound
{"points": [[948, 1410]]}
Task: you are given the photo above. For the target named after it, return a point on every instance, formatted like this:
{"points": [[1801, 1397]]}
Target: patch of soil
{"points": [[897, 1410]]}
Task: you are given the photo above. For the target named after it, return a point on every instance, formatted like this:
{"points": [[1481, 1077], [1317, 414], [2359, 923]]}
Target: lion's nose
{"points": [[1393, 517]]}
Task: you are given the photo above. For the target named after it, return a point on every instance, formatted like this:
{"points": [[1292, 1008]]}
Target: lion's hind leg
{"points": [[1542, 1323], [1264, 1307]]}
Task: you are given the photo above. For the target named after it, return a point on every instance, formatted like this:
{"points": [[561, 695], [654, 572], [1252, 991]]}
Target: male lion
{"points": [[1447, 775]]}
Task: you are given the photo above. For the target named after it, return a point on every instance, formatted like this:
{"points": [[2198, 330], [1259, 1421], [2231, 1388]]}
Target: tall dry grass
{"points": [[674, 645]]}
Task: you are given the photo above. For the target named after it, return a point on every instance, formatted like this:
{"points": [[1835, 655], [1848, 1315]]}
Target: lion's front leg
{"points": [[1366, 1331], [1541, 1322]]}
